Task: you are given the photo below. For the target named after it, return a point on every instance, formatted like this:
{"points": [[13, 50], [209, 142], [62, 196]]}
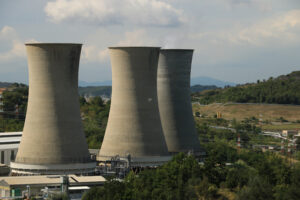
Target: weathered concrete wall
{"points": [[173, 86], [53, 133], [134, 125]]}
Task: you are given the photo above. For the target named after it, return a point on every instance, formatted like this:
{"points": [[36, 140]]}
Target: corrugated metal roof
{"points": [[9, 146], [10, 140], [10, 133]]}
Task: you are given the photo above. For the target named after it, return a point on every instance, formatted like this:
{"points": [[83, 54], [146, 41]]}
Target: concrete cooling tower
{"points": [[53, 140], [173, 88], [134, 126]]}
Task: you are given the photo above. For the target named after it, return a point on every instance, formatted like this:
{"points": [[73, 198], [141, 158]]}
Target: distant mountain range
{"points": [[98, 83], [5, 84], [204, 80], [200, 80]]}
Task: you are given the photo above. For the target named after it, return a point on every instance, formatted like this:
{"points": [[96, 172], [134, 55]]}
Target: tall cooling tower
{"points": [[53, 140], [173, 88], [134, 126]]}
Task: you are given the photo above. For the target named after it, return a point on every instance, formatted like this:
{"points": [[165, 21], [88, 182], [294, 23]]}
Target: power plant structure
{"points": [[53, 140], [134, 130], [173, 88]]}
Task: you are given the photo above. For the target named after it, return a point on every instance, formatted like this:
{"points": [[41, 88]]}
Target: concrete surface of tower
{"points": [[173, 86], [134, 126], [53, 140]]}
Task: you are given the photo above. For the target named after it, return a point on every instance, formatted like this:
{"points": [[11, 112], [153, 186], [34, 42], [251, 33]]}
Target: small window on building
{"points": [[12, 155], [2, 157]]}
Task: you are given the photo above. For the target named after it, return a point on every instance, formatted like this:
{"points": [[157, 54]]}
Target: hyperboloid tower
{"points": [[134, 126], [173, 86], [53, 140]]}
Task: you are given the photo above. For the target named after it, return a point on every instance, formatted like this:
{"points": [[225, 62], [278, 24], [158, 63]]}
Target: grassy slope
{"points": [[270, 112]]}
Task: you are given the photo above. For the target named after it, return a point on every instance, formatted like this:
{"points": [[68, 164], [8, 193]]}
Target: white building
{"points": [[18, 186], [9, 144], [289, 133]]}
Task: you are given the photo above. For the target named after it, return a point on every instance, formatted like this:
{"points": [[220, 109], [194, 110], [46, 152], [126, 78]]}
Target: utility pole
{"points": [[65, 184], [282, 146], [239, 141], [28, 191]]}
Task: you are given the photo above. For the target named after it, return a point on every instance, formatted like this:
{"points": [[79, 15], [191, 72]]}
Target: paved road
{"points": [[266, 133]]}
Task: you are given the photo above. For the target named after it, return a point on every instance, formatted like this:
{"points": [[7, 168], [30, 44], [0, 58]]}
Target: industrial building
{"points": [[1, 99], [134, 130], [173, 88], [9, 144], [289, 133], [53, 140], [20, 186]]}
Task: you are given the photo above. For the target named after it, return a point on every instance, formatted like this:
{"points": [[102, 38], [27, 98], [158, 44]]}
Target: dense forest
{"points": [[14, 101], [95, 91], [227, 173], [94, 115], [200, 88], [281, 90]]}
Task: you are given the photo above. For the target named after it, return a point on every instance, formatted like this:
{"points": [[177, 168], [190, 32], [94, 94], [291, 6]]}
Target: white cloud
{"points": [[94, 53], [263, 5], [137, 38], [7, 32], [283, 28], [107, 12], [236, 44], [9, 36]]}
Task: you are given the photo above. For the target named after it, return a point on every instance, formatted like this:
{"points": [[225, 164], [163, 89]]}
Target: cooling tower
{"points": [[53, 140], [134, 126], [173, 89]]}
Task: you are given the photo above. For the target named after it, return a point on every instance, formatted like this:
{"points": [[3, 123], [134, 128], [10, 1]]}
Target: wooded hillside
{"points": [[284, 89]]}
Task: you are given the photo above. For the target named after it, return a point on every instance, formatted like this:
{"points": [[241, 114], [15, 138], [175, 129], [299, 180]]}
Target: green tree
{"points": [[257, 189]]}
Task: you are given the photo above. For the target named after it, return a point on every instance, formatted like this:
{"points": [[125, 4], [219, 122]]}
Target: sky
{"points": [[234, 40]]}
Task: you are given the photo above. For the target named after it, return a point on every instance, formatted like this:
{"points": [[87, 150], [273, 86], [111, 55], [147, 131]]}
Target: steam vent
{"points": [[53, 141], [173, 88], [134, 126]]}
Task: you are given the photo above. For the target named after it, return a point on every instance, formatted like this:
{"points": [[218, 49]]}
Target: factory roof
{"points": [[51, 180], [10, 134], [94, 151], [10, 140]]}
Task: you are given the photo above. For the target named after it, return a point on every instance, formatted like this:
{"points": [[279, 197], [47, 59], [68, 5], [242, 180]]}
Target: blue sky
{"points": [[234, 40]]}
